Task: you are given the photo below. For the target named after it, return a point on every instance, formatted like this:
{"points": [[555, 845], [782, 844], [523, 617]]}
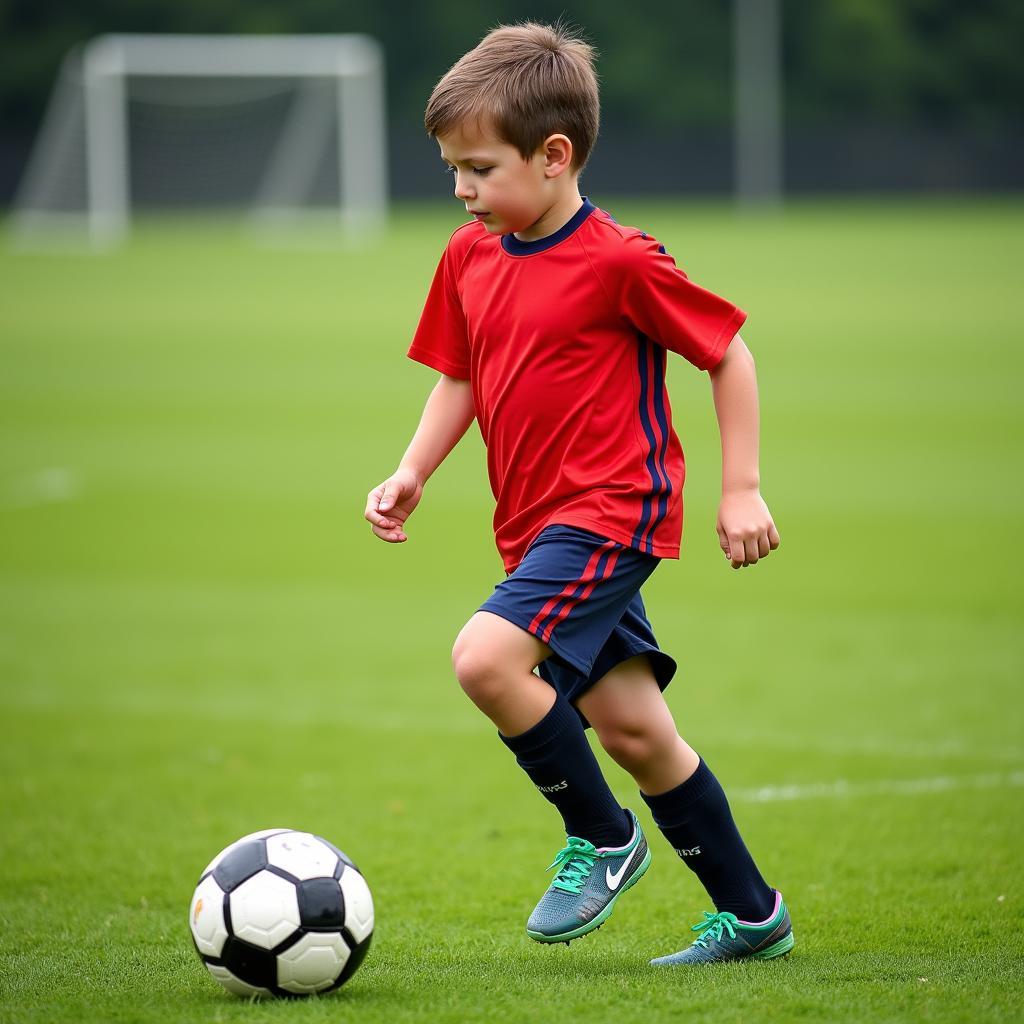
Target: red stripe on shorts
{"points": [[588, 580], [570, 605]]}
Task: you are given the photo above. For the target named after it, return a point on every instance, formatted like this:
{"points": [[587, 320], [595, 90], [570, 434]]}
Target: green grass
{"points": [[199, 637]]}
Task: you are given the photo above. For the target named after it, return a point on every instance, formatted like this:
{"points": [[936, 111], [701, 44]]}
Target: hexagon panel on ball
{"points": [[302, 855], [206, 918], [313, 964], [264, 910], [358, 904]]}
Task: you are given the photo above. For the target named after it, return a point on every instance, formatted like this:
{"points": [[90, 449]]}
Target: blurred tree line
{"points": [[944, 64]]}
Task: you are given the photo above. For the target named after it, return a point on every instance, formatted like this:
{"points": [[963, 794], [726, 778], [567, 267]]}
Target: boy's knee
{"points": [[472, 666], [492, 657], [634, 745], [479, 669]]}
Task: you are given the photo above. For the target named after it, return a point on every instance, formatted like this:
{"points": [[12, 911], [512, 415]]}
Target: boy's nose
{"points": [[462, 190]]}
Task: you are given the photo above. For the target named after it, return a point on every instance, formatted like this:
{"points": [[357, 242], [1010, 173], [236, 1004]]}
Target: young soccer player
{"points": [[550, 324]]}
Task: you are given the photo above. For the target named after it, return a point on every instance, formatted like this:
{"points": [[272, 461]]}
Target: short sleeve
{"points": [[661, 302], [441, 340]]}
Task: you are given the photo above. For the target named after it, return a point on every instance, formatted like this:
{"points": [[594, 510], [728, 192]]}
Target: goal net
{"points": [[289, 130]]}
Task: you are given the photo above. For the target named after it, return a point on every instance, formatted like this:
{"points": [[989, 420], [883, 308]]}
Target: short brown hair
{"points": [[527, 82]]}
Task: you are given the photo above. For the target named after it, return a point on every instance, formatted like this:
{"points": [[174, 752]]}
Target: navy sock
{"points": [[695, 818], [556, 756]]}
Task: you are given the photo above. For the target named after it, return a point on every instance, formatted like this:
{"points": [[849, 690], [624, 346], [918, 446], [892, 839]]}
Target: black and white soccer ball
{"points": [[281, 913]]}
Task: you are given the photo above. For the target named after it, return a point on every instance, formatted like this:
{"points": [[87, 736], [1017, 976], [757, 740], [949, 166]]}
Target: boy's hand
{"points": [[745, 528], [389, 505]]}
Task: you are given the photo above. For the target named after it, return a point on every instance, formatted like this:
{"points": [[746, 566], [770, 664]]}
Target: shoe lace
{"points": [[573, 865], [712, 927]]}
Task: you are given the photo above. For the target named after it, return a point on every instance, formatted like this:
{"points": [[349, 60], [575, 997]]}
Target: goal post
{"points": [[80, 174], [757, 116]]}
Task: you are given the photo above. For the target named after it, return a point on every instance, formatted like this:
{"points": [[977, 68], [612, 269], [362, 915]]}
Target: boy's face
{"points": [[499, 188]]}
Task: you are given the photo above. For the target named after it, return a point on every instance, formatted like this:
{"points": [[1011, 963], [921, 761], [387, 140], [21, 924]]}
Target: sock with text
{"points": [[696, 820], [556, 756]]}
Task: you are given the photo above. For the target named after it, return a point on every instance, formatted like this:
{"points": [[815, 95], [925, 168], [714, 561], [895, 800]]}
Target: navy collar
{"points": [[516, 247]]}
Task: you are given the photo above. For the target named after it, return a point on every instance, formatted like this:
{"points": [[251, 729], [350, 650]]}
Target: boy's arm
{"points": [[446, 417], [745, 528]]}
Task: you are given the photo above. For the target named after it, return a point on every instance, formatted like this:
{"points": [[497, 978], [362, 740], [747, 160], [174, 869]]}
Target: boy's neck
{"points": [[556, 216]]}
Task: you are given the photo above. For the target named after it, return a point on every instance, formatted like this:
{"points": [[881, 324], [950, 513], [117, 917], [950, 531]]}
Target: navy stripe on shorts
{"points": [[579, 593]]}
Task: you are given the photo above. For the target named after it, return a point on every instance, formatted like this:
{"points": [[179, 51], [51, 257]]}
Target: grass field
{"points": [[199, 637]]}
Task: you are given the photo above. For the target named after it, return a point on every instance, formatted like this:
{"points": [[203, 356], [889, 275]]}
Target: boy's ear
{"points": [[557, 152]]}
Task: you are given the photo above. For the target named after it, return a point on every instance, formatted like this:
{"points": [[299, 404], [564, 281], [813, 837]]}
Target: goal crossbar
{"points": [[354, 62], [211, 56]]}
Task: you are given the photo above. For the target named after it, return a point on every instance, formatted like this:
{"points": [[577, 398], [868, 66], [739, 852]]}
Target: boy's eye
{"points": [[482, 171]]}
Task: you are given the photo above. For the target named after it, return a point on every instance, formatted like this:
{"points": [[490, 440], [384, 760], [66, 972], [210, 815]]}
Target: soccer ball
{"points": [[281, 913]]}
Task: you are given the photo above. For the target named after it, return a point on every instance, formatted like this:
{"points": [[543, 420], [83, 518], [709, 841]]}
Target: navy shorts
{"points": [[580, 594]]}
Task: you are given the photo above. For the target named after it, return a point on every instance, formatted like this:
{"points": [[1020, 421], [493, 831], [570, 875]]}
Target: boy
{"points": [[549, 323]]}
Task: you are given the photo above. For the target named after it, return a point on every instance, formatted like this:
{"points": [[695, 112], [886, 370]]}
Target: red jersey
{"points": [[564, 341]]}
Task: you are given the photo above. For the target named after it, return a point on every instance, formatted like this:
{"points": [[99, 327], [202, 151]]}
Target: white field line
{"points": [[842, 789], [41, 487]]}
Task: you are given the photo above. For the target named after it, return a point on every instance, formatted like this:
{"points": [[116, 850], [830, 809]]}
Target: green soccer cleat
{"points": [[723, 938], [587, 883]]}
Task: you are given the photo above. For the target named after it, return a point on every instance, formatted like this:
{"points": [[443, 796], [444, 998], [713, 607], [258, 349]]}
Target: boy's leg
{"points": [[494, 661], [633, 723], [564, 598]]}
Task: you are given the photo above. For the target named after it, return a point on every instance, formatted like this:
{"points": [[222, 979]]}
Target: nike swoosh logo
{"points": [[613, 878]]}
